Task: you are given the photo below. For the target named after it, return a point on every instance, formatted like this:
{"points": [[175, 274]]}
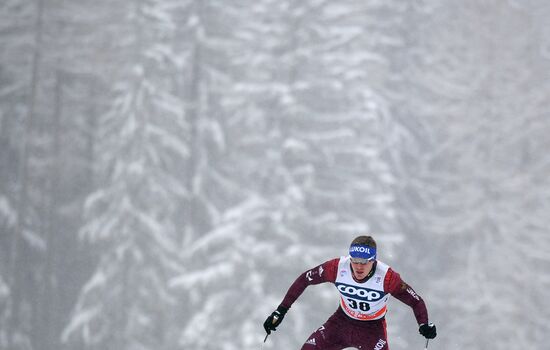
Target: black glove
{"points": [[428, 330], [275, 319]]}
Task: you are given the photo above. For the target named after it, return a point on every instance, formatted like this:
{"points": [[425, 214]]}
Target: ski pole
{"points": [[275, 318], [426, 347]]}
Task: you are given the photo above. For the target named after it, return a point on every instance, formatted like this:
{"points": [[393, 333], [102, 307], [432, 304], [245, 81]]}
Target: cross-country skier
{"points": [[364, 284]]}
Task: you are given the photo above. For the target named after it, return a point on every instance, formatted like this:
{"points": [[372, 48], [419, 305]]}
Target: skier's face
{"points": [[361, 271]]}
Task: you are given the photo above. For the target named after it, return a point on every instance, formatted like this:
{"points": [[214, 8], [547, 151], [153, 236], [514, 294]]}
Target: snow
{"points": [[211, 152]]}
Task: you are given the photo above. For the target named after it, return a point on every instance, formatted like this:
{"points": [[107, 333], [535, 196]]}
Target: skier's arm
{"points": [[403, 292], [325, 272]]}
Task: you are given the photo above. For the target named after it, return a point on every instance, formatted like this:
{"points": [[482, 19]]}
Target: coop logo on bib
{"points": [[359, 293]]}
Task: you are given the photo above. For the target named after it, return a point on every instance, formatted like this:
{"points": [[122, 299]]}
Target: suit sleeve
{"points": [[326, 272], [400, 290]]}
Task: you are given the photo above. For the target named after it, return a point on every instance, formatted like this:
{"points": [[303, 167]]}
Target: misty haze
{"points": [[168, 168]]}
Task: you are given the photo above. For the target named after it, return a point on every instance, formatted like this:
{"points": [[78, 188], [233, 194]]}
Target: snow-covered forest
{"points": [[169, 167]]}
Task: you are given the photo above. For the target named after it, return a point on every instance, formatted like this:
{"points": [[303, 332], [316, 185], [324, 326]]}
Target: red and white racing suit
{"points": [[359, 320]]}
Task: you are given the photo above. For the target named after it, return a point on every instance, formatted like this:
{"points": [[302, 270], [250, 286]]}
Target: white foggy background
{"points": [[169, 167]]}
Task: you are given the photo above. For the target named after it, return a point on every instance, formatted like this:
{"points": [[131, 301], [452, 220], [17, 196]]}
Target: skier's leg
{"points": [[323, 339], [374, 337], [326, 337]]}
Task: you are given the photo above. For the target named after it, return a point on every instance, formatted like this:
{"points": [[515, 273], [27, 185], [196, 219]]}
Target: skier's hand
{"points": [[275, 319], [428, 330]]}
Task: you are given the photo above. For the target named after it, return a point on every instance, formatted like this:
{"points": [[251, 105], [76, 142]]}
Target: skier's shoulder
{"points": [[333, 263], [392, 279], [382, 267], [331, 268]]}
